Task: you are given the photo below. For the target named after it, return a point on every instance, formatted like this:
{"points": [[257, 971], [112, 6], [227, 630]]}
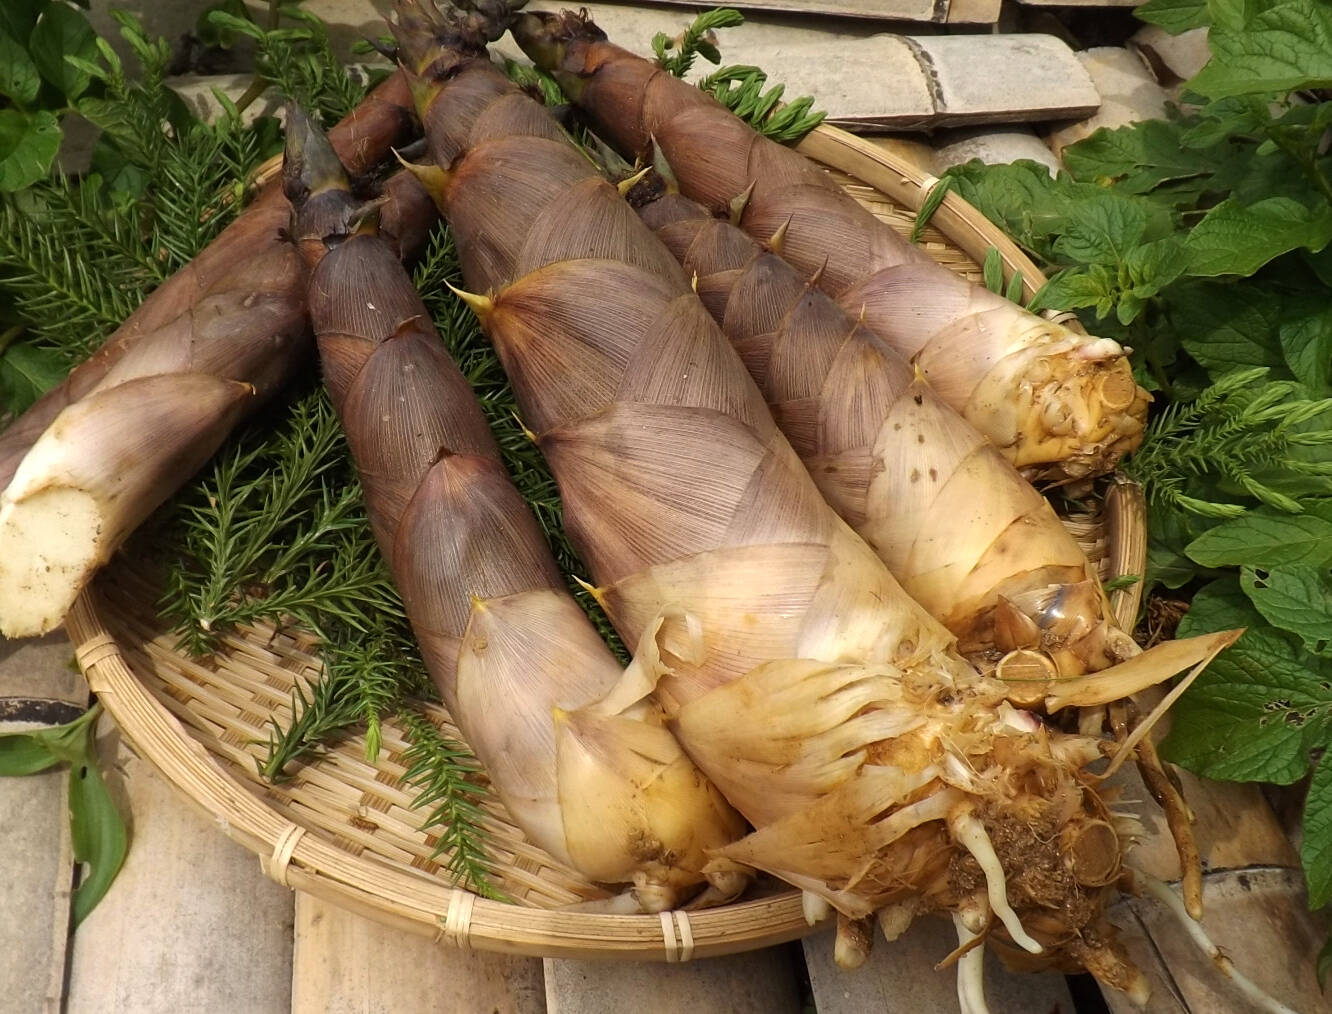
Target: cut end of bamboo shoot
{"points": [[50, 544]]}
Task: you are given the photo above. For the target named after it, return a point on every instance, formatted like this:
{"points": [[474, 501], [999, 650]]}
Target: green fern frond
{"points": [[740, 89], [677, 55]]}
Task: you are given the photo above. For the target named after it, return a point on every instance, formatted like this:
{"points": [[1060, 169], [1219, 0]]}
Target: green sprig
{"points": [[676, 55], [740, 89]]}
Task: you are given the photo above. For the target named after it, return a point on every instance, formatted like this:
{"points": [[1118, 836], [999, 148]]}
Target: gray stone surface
{"points": [[1005, 78], [993, 147], [191, 925], [36, 866], [1173, 58], [761, 982], [900, 977], [1128, 89]]}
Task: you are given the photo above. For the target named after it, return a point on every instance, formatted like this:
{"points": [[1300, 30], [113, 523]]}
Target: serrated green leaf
{"points": [[1306, 343], [1074, 288], [63, 31], [1102, 231], [1175, 16], [1235, 239], [26, 373], [1255, 713], [1285, 47], [21, 753], [1294, 597], [28, 145], [19, 77], [1220, 605], [1167, 567], [1137, 158], [1226, 327], [1316, 845], [1231, 14], [1263, 538]]}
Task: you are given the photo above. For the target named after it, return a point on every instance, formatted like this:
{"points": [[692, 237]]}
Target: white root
{"points": [[814, 907], [1163, 893], [970, 972], [970, 834]]}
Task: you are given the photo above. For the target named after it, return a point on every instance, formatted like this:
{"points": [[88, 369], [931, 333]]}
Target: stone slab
{"points": [[993, 147], [899, 978], [760, 982], [1004, 78], [344, 963], [1129, 93], [190, 926], [1173, 58]]}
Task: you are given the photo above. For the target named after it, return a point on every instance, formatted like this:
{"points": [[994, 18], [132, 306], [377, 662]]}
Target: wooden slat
{"points": [[761, 982], [191, 925], [37, 689], [345, 964], [899, 978]]}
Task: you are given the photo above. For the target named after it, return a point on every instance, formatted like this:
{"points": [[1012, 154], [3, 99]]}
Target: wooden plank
{"points": [[191, 925], [1257, 917], [345, 964], [899, 978], [38, 689], [761, 982]]}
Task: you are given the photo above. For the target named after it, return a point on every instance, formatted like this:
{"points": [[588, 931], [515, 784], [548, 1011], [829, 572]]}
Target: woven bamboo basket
{"points": [[345, 830]]}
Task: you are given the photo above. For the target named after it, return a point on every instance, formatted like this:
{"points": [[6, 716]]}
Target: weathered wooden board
{"points": [[38, 689], [345, 964], [191, 925], [949, 11], [761, 982], [899, 978]]}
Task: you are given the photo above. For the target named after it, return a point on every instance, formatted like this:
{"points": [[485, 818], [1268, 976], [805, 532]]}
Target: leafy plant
{"points": [[97, 830], [1202, 240]]}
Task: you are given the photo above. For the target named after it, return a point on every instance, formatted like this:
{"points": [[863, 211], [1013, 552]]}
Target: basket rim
{"points": [[453, 915]]}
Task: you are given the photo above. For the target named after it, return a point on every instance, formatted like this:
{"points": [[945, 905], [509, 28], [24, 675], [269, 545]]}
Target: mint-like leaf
{"points": [[63, 30], [1254, 714], [1295, 597], [1306, 343], [1285, 47], [26, 373], [1266, 538], [19, 78], [1316, 848], [1234, 239], [1225, 327], [28, 146], [1138, 158], [1174, 16], [1103, 231]]}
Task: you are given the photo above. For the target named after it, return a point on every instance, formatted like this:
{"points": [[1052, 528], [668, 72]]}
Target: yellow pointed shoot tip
{"points": [[522, 426], [693, 282], [625, 185], [599, 594], [558, 715], [778, 239], [740, 203], [482, 306], [431, 177]]}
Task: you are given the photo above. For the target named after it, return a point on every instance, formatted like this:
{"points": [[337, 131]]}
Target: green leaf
{"points": [[26, 373], [1316, 846], [1075, 287], [17, 17], [932, 201], [993, 270], [1220, 605], [1285, 47], [1167, 568], [1295, 597], [1306, 342], [28, 146], [1263, 538], [97, 831], [19, 78], [22, 753], [1102, 231], [1233, 239], [1255, 713], [1175, 16], [63, 31], [1225, 327], [1137, 158]]}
